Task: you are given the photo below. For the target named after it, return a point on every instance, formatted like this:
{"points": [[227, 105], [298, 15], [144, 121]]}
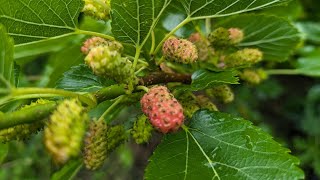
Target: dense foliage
{"points": [[159, 89]]}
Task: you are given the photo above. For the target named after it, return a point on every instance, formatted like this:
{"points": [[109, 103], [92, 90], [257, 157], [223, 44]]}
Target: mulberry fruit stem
{"points": [[118, 101], [25, 116], [27, 93], [91, 33]]}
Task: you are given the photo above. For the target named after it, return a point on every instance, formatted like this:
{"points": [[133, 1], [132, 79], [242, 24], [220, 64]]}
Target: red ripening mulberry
{"points": [[164, 111]]}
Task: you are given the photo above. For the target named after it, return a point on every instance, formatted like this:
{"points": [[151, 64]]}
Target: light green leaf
{"points": [[134, 20], [201, 9], [221, 146], [68, 171], [309, 65], [29, 20], [275, 37], [203, 79], [6, 58]]}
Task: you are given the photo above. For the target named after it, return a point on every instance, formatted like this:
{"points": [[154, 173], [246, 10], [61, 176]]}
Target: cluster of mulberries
{"points": [[98, 41], [222, 37], [163, 110]]}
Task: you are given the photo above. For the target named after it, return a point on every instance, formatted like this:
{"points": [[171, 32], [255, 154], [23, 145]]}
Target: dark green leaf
{"points": [[202, 9], [6, 57], [133, 21], [221, 146], [81, 78], [68, 171], [203, 79], [29, 20], [275, 37]]}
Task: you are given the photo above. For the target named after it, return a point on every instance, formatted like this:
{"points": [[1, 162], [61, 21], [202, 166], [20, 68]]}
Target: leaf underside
{"points": [[6, 57]]}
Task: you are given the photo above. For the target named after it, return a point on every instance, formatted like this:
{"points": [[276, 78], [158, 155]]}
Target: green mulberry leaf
{"points": [[220, 146]]}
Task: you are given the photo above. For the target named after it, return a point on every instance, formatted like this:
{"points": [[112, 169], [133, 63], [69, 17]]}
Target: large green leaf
{"points": [[6, 57], [203, 79], [311, 31], [81, 78], [29, 20], [200, 9], [134, 20], [275, 36], [221, 146]]}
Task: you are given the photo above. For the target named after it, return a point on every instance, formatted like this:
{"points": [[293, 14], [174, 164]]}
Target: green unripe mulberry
{"points": [[109, 63], [95, 148], [222, 37], [65, 130], [189, 104], [205, 103], [142, 130], [253, 76], [23, 131], [223, 93], [115, 135], [244, 57], [99, 9]]}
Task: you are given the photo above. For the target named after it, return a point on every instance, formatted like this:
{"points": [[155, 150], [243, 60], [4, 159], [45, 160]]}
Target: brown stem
{"points": [[161, 77]]}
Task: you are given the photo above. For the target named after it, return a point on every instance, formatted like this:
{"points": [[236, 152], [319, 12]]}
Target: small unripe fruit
{"points": [[142, 130], [97, 9], [222, 37], [95, 147], [206, 103], [108, 63], [223, 93], [65, 130], [115, 136], [179, 50], [163, 110], [253, 76], [189, 104], [244, 57], [202, 44], [98, 41]]}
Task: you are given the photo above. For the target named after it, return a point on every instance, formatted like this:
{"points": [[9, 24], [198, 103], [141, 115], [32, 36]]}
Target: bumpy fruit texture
{"points": [[202, 44], [253, 76], [98, 41], [206, 103], [65, 130], [95, 147], [179, 50], [109, 63], [115, 136], [142, 130], [244, 57], [163, 110], [223, 93], [222, 37], [99, 9], [23, 131]]}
